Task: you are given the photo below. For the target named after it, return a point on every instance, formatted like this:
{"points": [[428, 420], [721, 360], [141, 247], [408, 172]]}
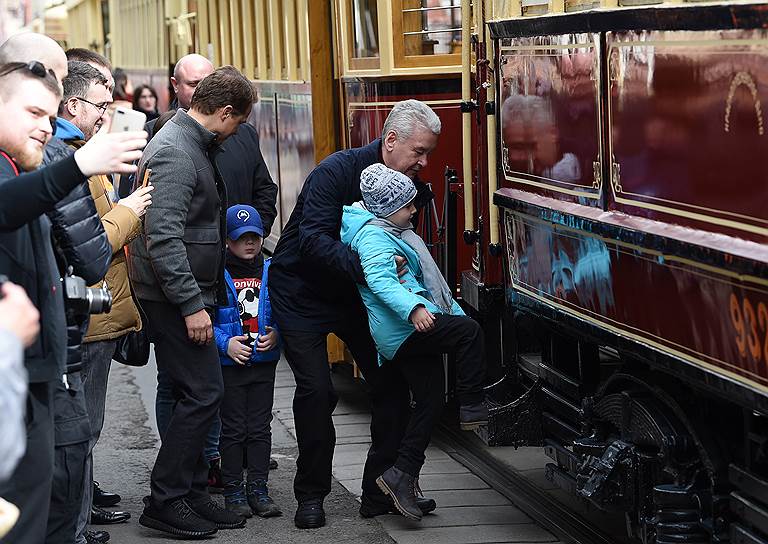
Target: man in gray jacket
{"points": [[177, 270]]}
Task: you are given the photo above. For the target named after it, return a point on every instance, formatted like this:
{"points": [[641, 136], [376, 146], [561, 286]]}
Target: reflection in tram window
{"points": [[532, 140], [365, 29]]}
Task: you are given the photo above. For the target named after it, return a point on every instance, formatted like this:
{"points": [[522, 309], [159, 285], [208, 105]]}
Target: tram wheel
{"points": [[645, 458]]}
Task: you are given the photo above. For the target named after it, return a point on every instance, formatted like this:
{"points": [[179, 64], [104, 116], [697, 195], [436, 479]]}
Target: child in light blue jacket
{"points": [[413, 319], [249, 350]]}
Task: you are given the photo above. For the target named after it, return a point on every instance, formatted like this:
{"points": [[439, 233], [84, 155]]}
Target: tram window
{"points": [[429, 28], [364, 27]]}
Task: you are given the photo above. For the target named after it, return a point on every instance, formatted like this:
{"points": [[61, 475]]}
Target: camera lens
{"points": [[99, 301]]}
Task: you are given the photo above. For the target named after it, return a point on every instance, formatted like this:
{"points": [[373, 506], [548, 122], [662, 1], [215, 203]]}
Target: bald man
{"points": [[29, 46]]}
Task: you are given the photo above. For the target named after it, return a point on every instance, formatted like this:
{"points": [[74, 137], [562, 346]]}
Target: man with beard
{"points": [[29, 100], [313, 293], [81, 115]]}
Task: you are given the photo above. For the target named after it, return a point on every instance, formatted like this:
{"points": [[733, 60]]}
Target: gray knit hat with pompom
{"points": [[385, 190]]}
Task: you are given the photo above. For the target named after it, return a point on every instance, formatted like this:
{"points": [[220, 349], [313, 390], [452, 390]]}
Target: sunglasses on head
{"points": [[34, 67]]}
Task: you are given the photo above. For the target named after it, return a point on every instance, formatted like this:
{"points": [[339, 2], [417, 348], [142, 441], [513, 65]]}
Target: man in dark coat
{"points": [[30, 98], [247, 180], [313, 293], [177, 270]]}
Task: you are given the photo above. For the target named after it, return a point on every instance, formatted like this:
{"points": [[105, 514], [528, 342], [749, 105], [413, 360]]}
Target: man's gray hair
{"points": [[80, 78], [407, 115]]}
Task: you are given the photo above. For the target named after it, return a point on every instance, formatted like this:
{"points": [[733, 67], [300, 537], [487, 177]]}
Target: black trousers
{"points": [[420, 360], [315, 400], [72, 431], [195, 371], [29, 487], [246, 414]]}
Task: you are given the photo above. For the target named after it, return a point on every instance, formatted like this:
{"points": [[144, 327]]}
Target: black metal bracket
{"points": [[470, 237], [494, 250], [490, 108], [468, 106]]}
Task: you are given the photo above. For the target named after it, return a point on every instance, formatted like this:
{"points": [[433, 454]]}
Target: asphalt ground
{"points": [[127, 450]]}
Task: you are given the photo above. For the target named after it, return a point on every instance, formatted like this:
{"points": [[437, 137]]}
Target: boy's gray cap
{"points": [[385, 190]]}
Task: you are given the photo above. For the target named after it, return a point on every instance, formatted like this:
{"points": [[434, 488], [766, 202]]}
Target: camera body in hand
{"points": [[84, 300]]}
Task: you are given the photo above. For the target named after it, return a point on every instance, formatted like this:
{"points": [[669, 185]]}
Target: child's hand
{"points": [[267, 341], [422, 319], [238, 350]]}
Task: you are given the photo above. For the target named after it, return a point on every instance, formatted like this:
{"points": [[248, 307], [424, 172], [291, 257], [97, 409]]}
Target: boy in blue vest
{"points": [[248, 347], [414, 320]]}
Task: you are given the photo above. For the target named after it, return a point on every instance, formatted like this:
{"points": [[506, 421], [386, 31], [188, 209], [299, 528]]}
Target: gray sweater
{"points": [[179, 257]]}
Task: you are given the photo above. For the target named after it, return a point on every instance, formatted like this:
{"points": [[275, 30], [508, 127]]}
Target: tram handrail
{"points": [[466, 116]]}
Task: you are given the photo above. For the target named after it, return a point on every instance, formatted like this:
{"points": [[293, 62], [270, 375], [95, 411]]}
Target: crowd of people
{"points": [[165, 226]]}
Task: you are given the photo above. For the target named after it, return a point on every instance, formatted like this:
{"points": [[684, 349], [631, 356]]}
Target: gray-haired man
{"points": [[313, 293]]}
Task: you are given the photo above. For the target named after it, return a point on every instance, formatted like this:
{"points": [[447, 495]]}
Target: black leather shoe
{"points": [[176, 518], [96, 537], [105, 517], [103, 498], [310, 514], [401, 486], [369, 509]]}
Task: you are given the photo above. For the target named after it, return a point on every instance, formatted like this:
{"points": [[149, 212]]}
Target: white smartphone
{"points": [[127, 120]]}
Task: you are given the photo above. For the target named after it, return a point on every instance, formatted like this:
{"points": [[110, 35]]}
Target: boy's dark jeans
{"points": [[246, 413], [420, 360]]}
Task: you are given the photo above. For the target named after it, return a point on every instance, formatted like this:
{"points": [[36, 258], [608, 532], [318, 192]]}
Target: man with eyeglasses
{"points": [[81, 114], [29, 99]]}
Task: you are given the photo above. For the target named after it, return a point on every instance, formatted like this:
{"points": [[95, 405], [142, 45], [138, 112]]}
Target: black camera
{"points": [[86, 300]]}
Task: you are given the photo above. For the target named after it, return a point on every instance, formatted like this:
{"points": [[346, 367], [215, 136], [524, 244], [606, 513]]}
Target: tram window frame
{"points": [[401, 59], [355, 62]]}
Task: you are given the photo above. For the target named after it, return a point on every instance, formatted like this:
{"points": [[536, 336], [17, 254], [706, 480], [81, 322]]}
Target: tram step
{"points": [[750, 512], [748, 483], [742, 535], [516, 423], [532, 365]]}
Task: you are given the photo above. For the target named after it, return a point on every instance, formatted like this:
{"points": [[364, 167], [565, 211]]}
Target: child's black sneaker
{"points": [[472, 416], [209, 509], [261, 503], [236, 501]]}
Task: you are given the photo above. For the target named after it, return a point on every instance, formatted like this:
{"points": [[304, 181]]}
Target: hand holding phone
{"points": [[127, 120]]}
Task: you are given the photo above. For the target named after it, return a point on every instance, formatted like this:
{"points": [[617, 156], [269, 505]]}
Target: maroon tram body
{"points": [[634, 214]]}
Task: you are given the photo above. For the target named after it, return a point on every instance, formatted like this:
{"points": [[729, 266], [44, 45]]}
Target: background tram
{"points": [[601, 207]]}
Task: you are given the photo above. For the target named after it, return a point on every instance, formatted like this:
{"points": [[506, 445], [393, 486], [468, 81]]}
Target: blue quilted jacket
{"points": [[227, 322]]}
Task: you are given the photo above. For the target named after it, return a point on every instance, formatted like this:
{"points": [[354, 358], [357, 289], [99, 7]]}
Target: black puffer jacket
{"points": [[76, 225], [26, 256], [80, 242]]}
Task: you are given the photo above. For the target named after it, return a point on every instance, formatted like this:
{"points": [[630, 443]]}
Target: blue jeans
{"points": [[164, 404]]}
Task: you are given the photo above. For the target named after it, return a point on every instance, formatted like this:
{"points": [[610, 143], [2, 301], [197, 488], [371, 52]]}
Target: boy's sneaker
{"points": [[472, 416], [176, 518], [215, 483], [209, 509], [402, 487], [261, 503], [236, 501]]}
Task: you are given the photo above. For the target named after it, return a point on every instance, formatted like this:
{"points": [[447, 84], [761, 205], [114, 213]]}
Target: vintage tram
{"points": [[600, 207]]}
